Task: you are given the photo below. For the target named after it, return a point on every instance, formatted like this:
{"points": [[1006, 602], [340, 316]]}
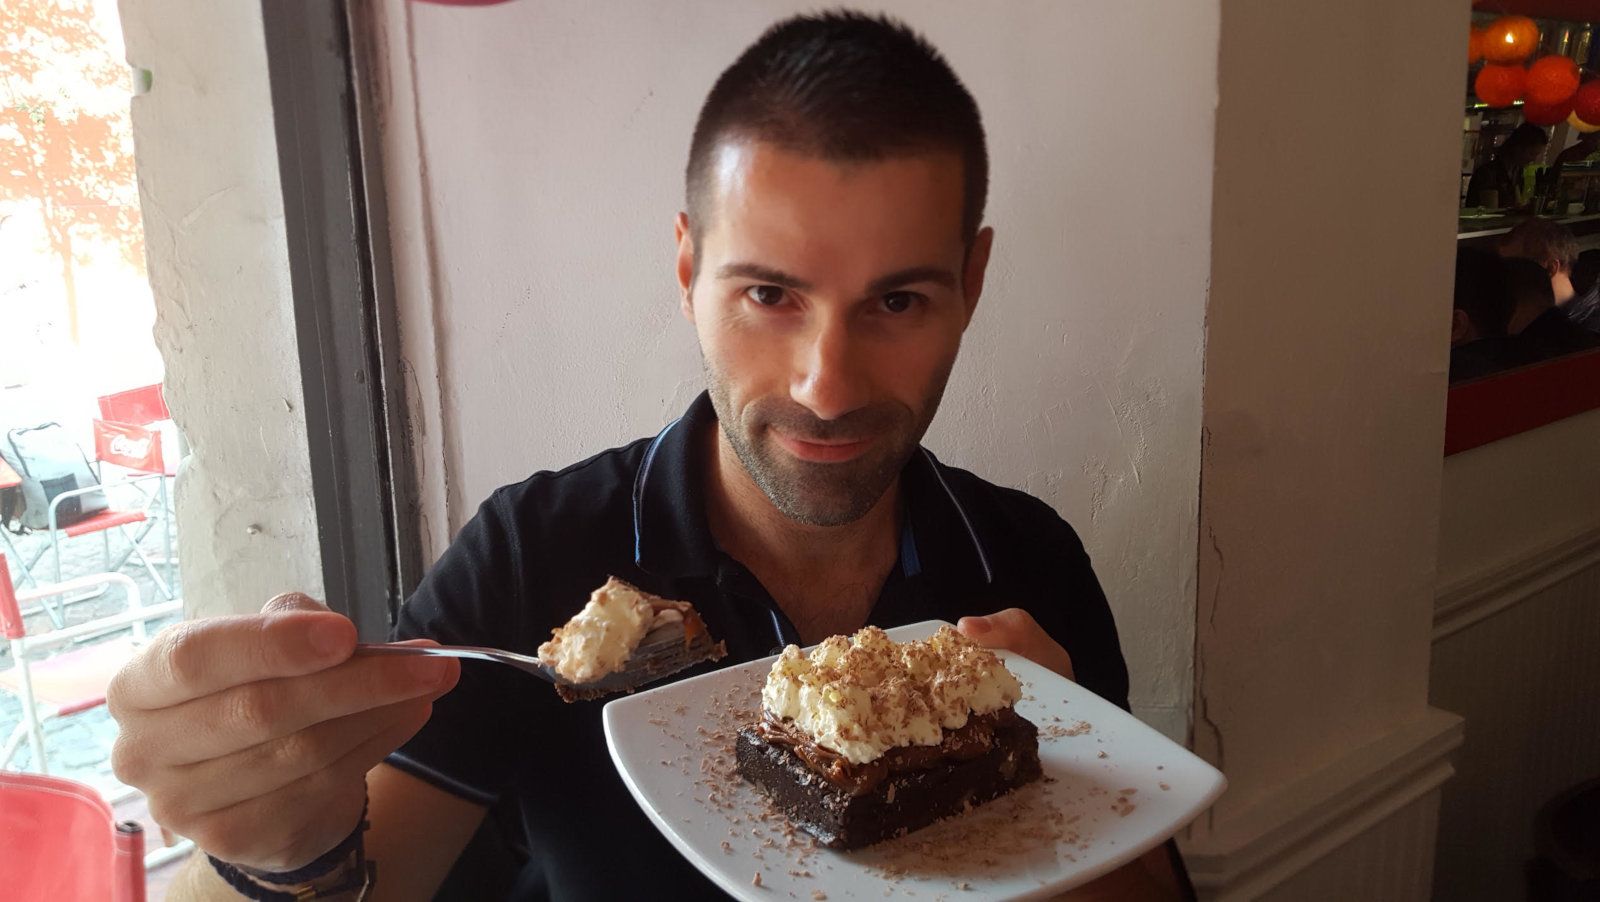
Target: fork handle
{"points": [[455, 651]]}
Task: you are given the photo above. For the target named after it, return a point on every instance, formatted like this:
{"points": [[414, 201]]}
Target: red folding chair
{"points": [[71, 681], [138, 406], [124, 412], [62, 842], [138, 451], [9, 480]]}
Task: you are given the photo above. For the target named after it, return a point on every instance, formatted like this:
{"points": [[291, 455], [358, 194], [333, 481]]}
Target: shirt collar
{"points": [[672, 538]]}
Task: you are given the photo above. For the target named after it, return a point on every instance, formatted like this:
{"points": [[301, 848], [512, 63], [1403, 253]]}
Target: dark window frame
{"points": [[341, 277]]}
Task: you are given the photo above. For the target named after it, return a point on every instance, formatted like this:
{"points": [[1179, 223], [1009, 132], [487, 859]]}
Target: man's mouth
{"points": [[820, 450]]}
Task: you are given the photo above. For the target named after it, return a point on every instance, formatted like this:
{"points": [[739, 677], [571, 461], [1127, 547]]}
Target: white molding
{"points": [[1300, 824], [1484, 594]]}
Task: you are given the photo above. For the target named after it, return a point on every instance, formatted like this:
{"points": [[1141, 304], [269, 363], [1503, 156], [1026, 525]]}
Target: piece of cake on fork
{"points": [[866, 739]]}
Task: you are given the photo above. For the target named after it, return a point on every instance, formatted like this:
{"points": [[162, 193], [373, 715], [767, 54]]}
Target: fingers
{"points": [[196, 658], [354, 743], [253, 734], [1015, 630], [249, 715], [257, 832]]}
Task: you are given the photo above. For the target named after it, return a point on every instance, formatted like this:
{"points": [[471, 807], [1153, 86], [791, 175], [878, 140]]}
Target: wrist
{"points": [[342, 872]]}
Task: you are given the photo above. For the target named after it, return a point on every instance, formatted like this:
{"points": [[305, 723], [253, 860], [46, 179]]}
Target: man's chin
{"points": [[822, 494]]}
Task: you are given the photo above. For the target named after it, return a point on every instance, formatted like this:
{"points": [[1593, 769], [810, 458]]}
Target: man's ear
{"points": [[977, 263], [685, 238], [1460, 326]]}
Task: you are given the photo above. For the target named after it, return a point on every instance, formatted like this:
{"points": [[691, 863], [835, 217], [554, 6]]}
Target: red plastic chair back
{"points": [[61, 842], [128, 446], [10, 614], [136, 406]]}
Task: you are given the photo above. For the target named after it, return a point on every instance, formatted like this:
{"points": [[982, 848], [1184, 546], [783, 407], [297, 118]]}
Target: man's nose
{"points": [[828, 378]]}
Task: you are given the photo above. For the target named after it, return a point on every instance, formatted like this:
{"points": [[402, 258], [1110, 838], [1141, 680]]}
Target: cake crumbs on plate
{"points": [[1164, 786], [756, 880], [818, 895]]}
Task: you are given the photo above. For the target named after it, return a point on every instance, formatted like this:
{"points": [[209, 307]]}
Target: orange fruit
{"points": [[1499, 86], [1509, 39], [1543, 114], [1586, 101], [1475, 46], [1551, 80]]}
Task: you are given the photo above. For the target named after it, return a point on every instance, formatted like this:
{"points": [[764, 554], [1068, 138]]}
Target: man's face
{"points": [[830, 299]]}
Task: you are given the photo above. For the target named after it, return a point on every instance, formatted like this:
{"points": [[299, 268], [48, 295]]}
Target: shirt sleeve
{"points": [[464, 748], [1090, 635], [1076, 614]]}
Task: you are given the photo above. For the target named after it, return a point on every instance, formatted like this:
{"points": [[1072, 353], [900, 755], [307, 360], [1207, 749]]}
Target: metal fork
{"points": [[662, 652]]}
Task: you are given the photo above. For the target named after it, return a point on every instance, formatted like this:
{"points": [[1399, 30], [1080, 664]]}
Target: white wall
{"points": [[534, 154], [1515, 644], [1325, 383], [214, 238]]}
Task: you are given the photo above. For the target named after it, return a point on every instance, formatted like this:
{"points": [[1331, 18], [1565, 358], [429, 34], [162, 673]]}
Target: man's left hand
{"points": [[1015, 630], [1151, 876]]}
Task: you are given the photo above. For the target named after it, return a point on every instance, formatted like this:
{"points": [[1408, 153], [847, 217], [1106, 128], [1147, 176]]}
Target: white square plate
{"points": [[1114, 788]]}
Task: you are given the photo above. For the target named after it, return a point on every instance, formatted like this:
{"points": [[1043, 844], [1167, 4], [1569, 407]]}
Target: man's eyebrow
{"points": [[759, 273], [881, 285], [935, 274]]}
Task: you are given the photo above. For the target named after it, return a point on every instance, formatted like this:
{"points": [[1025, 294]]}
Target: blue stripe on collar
{"points": [[910, 562], [638, 489], [977, 544]]}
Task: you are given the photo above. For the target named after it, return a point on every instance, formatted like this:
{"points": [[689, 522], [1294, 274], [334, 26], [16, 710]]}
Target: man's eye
{"points": [[900, 301], [765, 295]]}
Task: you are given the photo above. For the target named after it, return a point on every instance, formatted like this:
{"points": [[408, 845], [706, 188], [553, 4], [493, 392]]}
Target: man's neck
{"points": [[809, 569], [1561, 286]]}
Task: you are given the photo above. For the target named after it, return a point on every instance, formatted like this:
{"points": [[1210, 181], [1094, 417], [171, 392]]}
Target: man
{"points": [[1539, 329], [1587, 145], [1553, 246], [1499, 182], [1584, 308], [830, 259]]}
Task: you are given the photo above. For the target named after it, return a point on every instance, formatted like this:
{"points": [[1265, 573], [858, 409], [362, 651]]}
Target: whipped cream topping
{"points": [[862, 695], [599, 639]]}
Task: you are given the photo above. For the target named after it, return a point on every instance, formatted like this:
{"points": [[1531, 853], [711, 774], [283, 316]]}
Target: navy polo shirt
{"points": [[529, 559]]}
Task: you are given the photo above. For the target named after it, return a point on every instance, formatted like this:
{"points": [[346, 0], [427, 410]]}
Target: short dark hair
{"points": [[1543, 241], [1528, 283], [1481, 292], [845, 86]]}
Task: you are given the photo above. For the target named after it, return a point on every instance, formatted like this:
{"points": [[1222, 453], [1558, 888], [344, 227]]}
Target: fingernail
{"points": [[974, 624], [327, 638]]}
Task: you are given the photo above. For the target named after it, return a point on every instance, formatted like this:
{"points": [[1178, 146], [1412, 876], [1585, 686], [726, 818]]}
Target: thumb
{"points": [[292, 601], [330, 633], [1000, 629]]}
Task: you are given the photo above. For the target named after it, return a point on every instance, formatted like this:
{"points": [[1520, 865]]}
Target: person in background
{"points": [[1587, 145], [1478, 322], [1554, 247], [1499, 183], [1539, 329], [1584, 308]]}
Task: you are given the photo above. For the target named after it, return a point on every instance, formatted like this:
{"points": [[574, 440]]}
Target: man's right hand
{"points": [[253, 735]]}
